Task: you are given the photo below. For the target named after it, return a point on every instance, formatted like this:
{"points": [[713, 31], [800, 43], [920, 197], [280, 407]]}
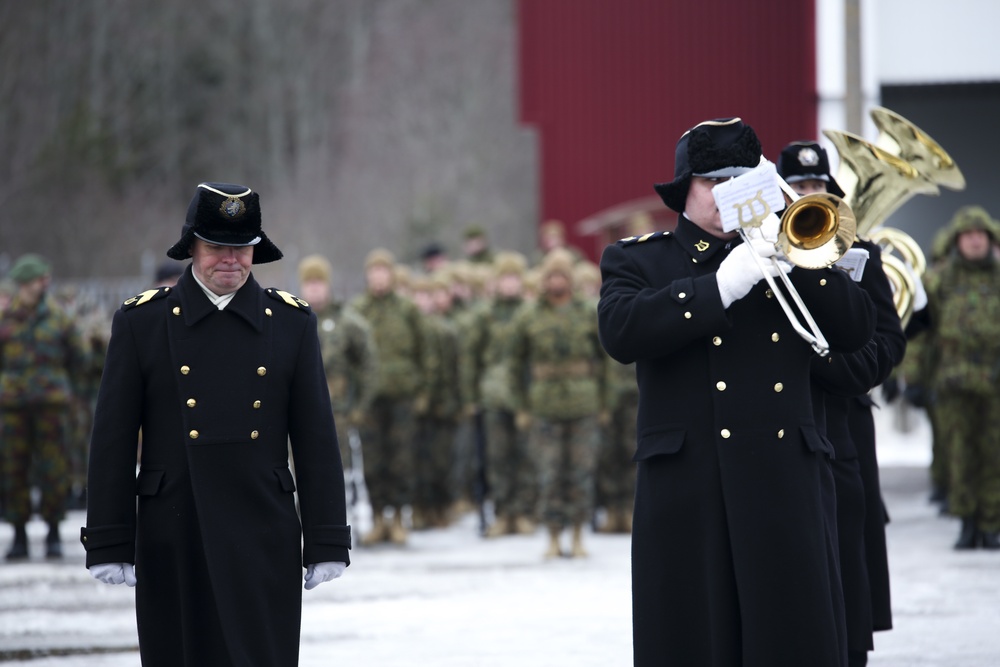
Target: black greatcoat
{"points": [[217, 544], [733, 553]]}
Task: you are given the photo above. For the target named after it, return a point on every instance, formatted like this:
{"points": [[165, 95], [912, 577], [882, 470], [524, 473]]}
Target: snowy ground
{"points": [[450, 598]]}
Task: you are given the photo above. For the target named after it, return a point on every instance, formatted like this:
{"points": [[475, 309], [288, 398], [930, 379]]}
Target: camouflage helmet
{"points": [[380, 257], [28, 267], [315, 267], [510, 262], [586, 273], [558, 260], [969, 218]]}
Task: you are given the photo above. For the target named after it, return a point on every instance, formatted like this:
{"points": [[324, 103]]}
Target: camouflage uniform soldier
{"points": [[40, 357], [510, 470], [436, 428], [964, 301], [615, 475], [348, 348], [400, 397], [558, 375]]}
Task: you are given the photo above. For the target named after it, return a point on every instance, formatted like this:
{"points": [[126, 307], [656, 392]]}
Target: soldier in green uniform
{"points": [[509, 467], [348, 348], [558, 375], [963, 296], [436, 428], [41, 355], [401, 396]]}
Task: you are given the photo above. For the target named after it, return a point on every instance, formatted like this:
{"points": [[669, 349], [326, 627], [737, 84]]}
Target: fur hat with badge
{"points": [[225, 214], [719, 148], [807, 161]]}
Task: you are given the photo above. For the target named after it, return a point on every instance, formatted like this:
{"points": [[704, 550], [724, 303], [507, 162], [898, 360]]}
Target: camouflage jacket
{"points": [[443, 390], [557, 368], [484, 374], [398, 328], [41, 355], [964, 339], [349, 357]]}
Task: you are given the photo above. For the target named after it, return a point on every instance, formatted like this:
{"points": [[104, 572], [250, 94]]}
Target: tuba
{"points": [[877, 178]]}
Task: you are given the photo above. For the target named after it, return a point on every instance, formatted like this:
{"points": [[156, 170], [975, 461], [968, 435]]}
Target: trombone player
{"points": [[734, 555], [842, 384]]}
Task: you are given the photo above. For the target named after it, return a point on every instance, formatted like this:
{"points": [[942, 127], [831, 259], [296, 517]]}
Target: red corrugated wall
{"points": [[611, 84]]}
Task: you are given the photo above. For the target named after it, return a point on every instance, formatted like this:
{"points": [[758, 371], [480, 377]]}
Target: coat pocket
{"points": [[814, 442], [284, 476], [148, 482], [659, 441]]}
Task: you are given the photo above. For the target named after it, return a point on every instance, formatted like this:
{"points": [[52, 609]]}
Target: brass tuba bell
{"points": [[877, 178]]}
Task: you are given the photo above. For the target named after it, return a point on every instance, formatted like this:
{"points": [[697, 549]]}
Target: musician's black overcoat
{"points": [[217, 544], [733, 555]]}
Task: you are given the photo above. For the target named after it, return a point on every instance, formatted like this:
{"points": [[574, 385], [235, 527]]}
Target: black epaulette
{"points": [[652, 236], [145, 297], [287, 298]]}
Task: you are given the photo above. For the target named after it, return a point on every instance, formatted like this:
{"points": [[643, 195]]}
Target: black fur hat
{"points": [[715, 148], [807, 160], [225, 214]]}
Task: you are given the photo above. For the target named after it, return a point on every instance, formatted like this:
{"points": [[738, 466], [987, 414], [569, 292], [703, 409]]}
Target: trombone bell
{"points": [[816, 231]]}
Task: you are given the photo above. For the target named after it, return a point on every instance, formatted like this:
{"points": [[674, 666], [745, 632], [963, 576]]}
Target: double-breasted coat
{"points": [[217, 542], [733, 552]]}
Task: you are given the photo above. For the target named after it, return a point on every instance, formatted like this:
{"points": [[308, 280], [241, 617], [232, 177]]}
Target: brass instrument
{"points": [[816, 230], [877, 178]]}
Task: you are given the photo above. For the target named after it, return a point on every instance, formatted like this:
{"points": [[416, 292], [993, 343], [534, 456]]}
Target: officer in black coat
{"points": [[734, 553], [220, 375]]}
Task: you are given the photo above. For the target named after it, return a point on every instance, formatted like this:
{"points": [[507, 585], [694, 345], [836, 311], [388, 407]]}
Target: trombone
{"points": [[816, 231]]}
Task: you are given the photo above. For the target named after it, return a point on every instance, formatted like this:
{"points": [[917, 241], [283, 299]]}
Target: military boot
{"points": [[577, 550], [500, 526], [523, 525], [378, 532], [968, 537], [19, 549], [397, 532], [554, 550], [53, 542]]}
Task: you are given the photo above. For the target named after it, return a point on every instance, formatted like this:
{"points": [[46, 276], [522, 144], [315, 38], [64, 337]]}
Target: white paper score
{"points": [[745, 201]]}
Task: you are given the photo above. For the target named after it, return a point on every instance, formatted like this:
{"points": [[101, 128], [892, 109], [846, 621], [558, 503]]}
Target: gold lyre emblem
{"points": [[757, 214], [701, 246]]}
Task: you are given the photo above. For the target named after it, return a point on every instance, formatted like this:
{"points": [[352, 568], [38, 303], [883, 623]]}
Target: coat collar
{"points": [[195, 306], [698, 243]]}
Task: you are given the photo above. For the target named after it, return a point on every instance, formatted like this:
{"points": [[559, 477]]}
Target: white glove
{"points": [[317, 573], [738, 272], [114, 573]]}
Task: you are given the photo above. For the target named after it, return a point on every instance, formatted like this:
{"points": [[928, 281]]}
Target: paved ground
{"points": [[451, 598]]}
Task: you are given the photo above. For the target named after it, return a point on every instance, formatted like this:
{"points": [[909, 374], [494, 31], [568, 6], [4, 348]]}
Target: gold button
{"points": [[254, 435], [775, 337], [693, 260], [725, 433], [176, 310], [717, 341], [267, 311], [822, 281], [193, 434], [682, 295], [781, 433], [262, 371], [166, 289], [778, 387], [687, 315], [721, 386], [185, 370], [256, 404], [84, 538], [769, 294], [191, 402]]}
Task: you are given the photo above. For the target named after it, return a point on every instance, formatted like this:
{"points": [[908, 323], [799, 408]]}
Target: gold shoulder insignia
{"points": [[632, 240], [287, 297], [146, 297]]}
